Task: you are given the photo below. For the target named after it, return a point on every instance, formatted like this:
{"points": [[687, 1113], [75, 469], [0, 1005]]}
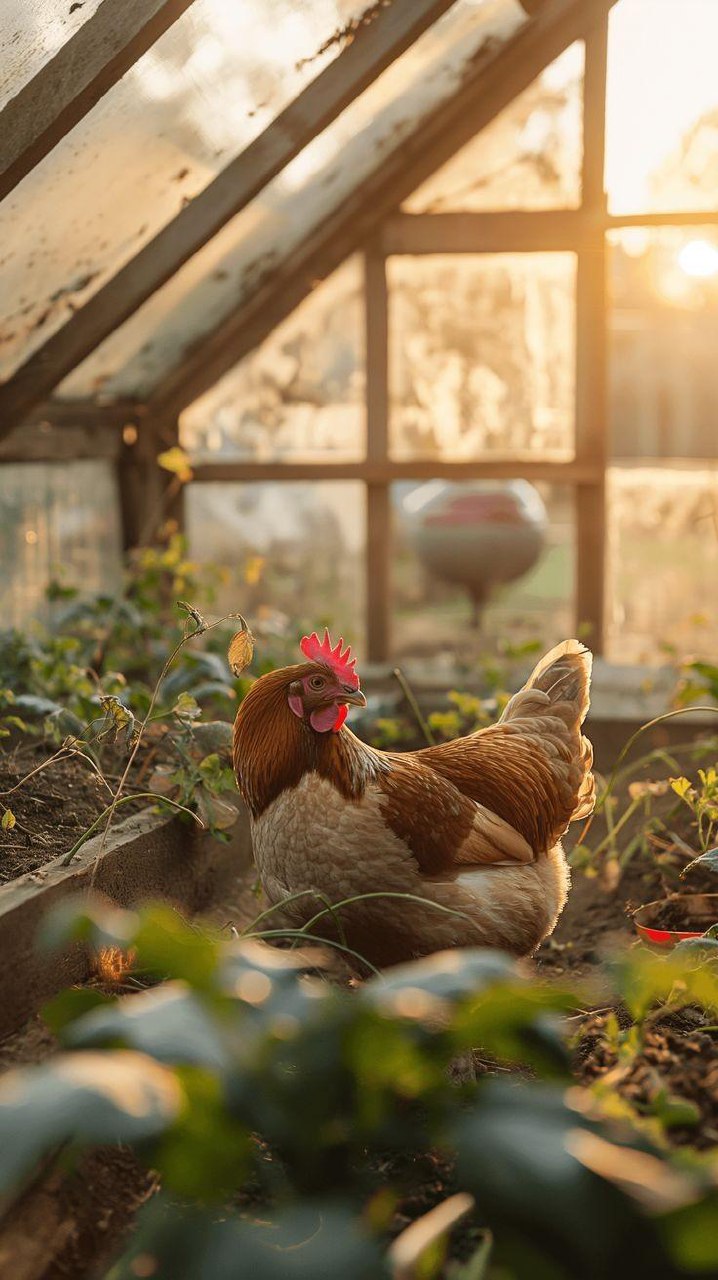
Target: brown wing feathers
{"points": [[533, 768]]}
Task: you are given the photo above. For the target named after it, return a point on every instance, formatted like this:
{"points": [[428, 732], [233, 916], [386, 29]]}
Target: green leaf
{"points": [[691, 1237], [312, 1241], [97, 923], [8, 820], [674, 1112], [448, 976], [700, 949], [519, 1023], [206, 1155], [477, 1266], [515, 1156], [186, 707], [707, 861], [70, 1005], [170, 948], [168, 1022], [82, 1098]]}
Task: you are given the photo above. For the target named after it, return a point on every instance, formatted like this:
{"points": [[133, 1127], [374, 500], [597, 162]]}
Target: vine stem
{"points": [[410, 696], [201, 626], [142, 795], [407, 897], [300, 936]]}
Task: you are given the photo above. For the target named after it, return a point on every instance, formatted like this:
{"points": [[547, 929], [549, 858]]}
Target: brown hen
{"points": [[472, 827]]}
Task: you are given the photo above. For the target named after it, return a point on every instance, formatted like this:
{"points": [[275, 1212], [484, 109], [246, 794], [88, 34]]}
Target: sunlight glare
{"points": [[661, 82], [699, 258]]}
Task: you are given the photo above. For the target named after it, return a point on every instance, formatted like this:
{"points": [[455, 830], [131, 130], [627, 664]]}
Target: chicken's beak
{"points": [[354, 699]]}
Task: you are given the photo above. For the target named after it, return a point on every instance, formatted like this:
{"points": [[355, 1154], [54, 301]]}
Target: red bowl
{"points": [[698, 905]]}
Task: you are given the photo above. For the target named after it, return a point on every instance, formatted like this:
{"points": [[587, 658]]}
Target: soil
{"points": [[51, 811], [58, 803]]}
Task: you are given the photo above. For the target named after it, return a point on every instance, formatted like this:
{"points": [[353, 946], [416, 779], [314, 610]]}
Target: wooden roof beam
{"points": [[80, 73], [496, 79], [374, 46]]}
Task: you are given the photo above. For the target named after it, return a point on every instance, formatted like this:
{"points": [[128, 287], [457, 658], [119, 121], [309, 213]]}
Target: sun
{"points": [[699, 259]]}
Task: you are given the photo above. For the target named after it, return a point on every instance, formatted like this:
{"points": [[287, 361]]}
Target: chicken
{"points": [[472, 827]]}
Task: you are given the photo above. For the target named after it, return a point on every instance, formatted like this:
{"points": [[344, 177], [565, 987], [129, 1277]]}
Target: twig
{"points": [[411, 699]]}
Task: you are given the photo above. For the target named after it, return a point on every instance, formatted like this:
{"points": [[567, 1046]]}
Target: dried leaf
{"points": [[8, 820], [241, 649]]}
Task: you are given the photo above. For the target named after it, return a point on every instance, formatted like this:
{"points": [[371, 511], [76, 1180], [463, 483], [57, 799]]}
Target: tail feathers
{"points": [[561, 681], [556, 698]]}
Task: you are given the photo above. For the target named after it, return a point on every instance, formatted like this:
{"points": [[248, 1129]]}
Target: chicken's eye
{"points": [[317, 682]]}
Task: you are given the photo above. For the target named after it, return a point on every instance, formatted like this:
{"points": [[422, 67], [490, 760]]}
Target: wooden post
{"points": [[591, 351], [378, 494], [149, 495]]}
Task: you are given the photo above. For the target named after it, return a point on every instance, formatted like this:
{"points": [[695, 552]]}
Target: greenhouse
{"points": [[357, 360]]}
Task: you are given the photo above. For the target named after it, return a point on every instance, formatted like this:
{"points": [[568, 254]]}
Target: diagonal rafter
{"points": [[496, 79], [74, 80], [386, 32]]}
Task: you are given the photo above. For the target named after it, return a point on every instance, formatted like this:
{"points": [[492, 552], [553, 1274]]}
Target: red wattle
{"points": [[342, 712]]}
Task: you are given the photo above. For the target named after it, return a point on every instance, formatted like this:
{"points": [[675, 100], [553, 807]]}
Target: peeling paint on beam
{"points": [[496, 79], [71, 83], [374, 46]]}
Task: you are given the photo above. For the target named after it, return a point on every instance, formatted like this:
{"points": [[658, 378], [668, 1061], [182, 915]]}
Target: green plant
{"points": [[698, 680], [637, 811], [196, 779], [246, 1069], [702, 801]]}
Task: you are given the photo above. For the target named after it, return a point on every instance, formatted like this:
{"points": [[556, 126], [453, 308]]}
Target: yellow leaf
{"points": [[253, 570], [176, 461], [241, 649], [8, 820]]}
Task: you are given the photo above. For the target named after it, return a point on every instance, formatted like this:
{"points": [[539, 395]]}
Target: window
{"points": [[57, 522]]}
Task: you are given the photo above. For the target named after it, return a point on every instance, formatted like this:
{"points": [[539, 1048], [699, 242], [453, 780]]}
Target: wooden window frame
{"points": [[582, 231]]}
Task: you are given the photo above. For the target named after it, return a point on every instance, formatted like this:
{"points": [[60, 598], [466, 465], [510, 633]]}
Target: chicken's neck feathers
{"points": [[274, 750]]}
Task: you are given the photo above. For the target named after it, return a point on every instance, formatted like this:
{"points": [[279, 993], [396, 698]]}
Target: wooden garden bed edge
{"points": [[147, 856]]}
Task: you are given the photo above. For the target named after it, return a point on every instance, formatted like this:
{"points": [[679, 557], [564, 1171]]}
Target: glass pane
{"points": [[32, 32], [480, 564], [254, 246], [529, 157], [57, 521], [664, 338], [482, 355], [300, 395], [295, 552], [196, 99], [662, 119], [663, 562]]}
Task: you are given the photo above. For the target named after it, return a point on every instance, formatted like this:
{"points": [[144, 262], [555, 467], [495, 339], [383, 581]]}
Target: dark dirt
{"points": [[679, 1063], [51, 810], [108, 1188], [58, 803]]}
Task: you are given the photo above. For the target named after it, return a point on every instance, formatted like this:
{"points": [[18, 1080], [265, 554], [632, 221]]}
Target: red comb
{"points": [[342, 664]]}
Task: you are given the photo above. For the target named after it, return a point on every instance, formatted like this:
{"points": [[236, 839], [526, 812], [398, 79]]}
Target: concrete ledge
{"points": [[146, 856]]}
